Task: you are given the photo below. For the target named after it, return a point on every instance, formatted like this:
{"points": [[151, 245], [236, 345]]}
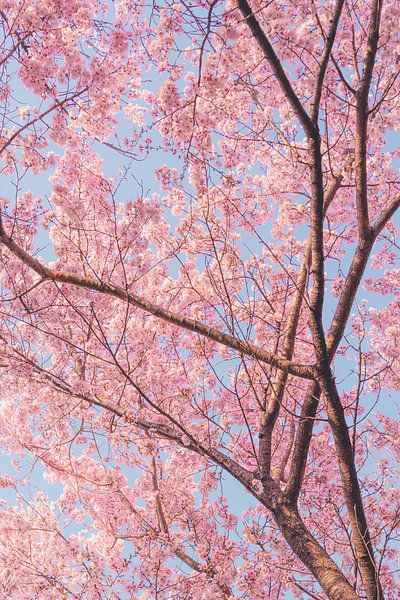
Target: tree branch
{"points": [[355, 274], [324, 62], [302, 442], [278, 388], [277, 68], [240, 346], [386, 215], [183, 556], [362, 115], [336, 414], [56, 104], [301, 541], [351, 486], [345, 303]]}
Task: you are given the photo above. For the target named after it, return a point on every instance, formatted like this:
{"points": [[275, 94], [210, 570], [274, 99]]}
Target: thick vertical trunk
{"points": [[312, 555]]}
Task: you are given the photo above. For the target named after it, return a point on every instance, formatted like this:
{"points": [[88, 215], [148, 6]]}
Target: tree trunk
{"points": [[308, 550]]}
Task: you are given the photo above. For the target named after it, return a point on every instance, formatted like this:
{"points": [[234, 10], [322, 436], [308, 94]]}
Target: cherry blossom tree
{"points": [[200, 299]]}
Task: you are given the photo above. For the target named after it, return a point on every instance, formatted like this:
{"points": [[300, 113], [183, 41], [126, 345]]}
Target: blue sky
{"points": [[142, 173]]}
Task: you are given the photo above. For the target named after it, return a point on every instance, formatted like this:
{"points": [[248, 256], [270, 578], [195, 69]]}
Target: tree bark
{"points": [[312, 555]]}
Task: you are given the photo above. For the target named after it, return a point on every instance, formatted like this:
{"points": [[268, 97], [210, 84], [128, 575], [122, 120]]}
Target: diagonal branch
{"points": [[176, 432], [345, 303], [354, 276], [279, 72], [179, 553], [241, 346], [386, 215], [42, 115]]}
